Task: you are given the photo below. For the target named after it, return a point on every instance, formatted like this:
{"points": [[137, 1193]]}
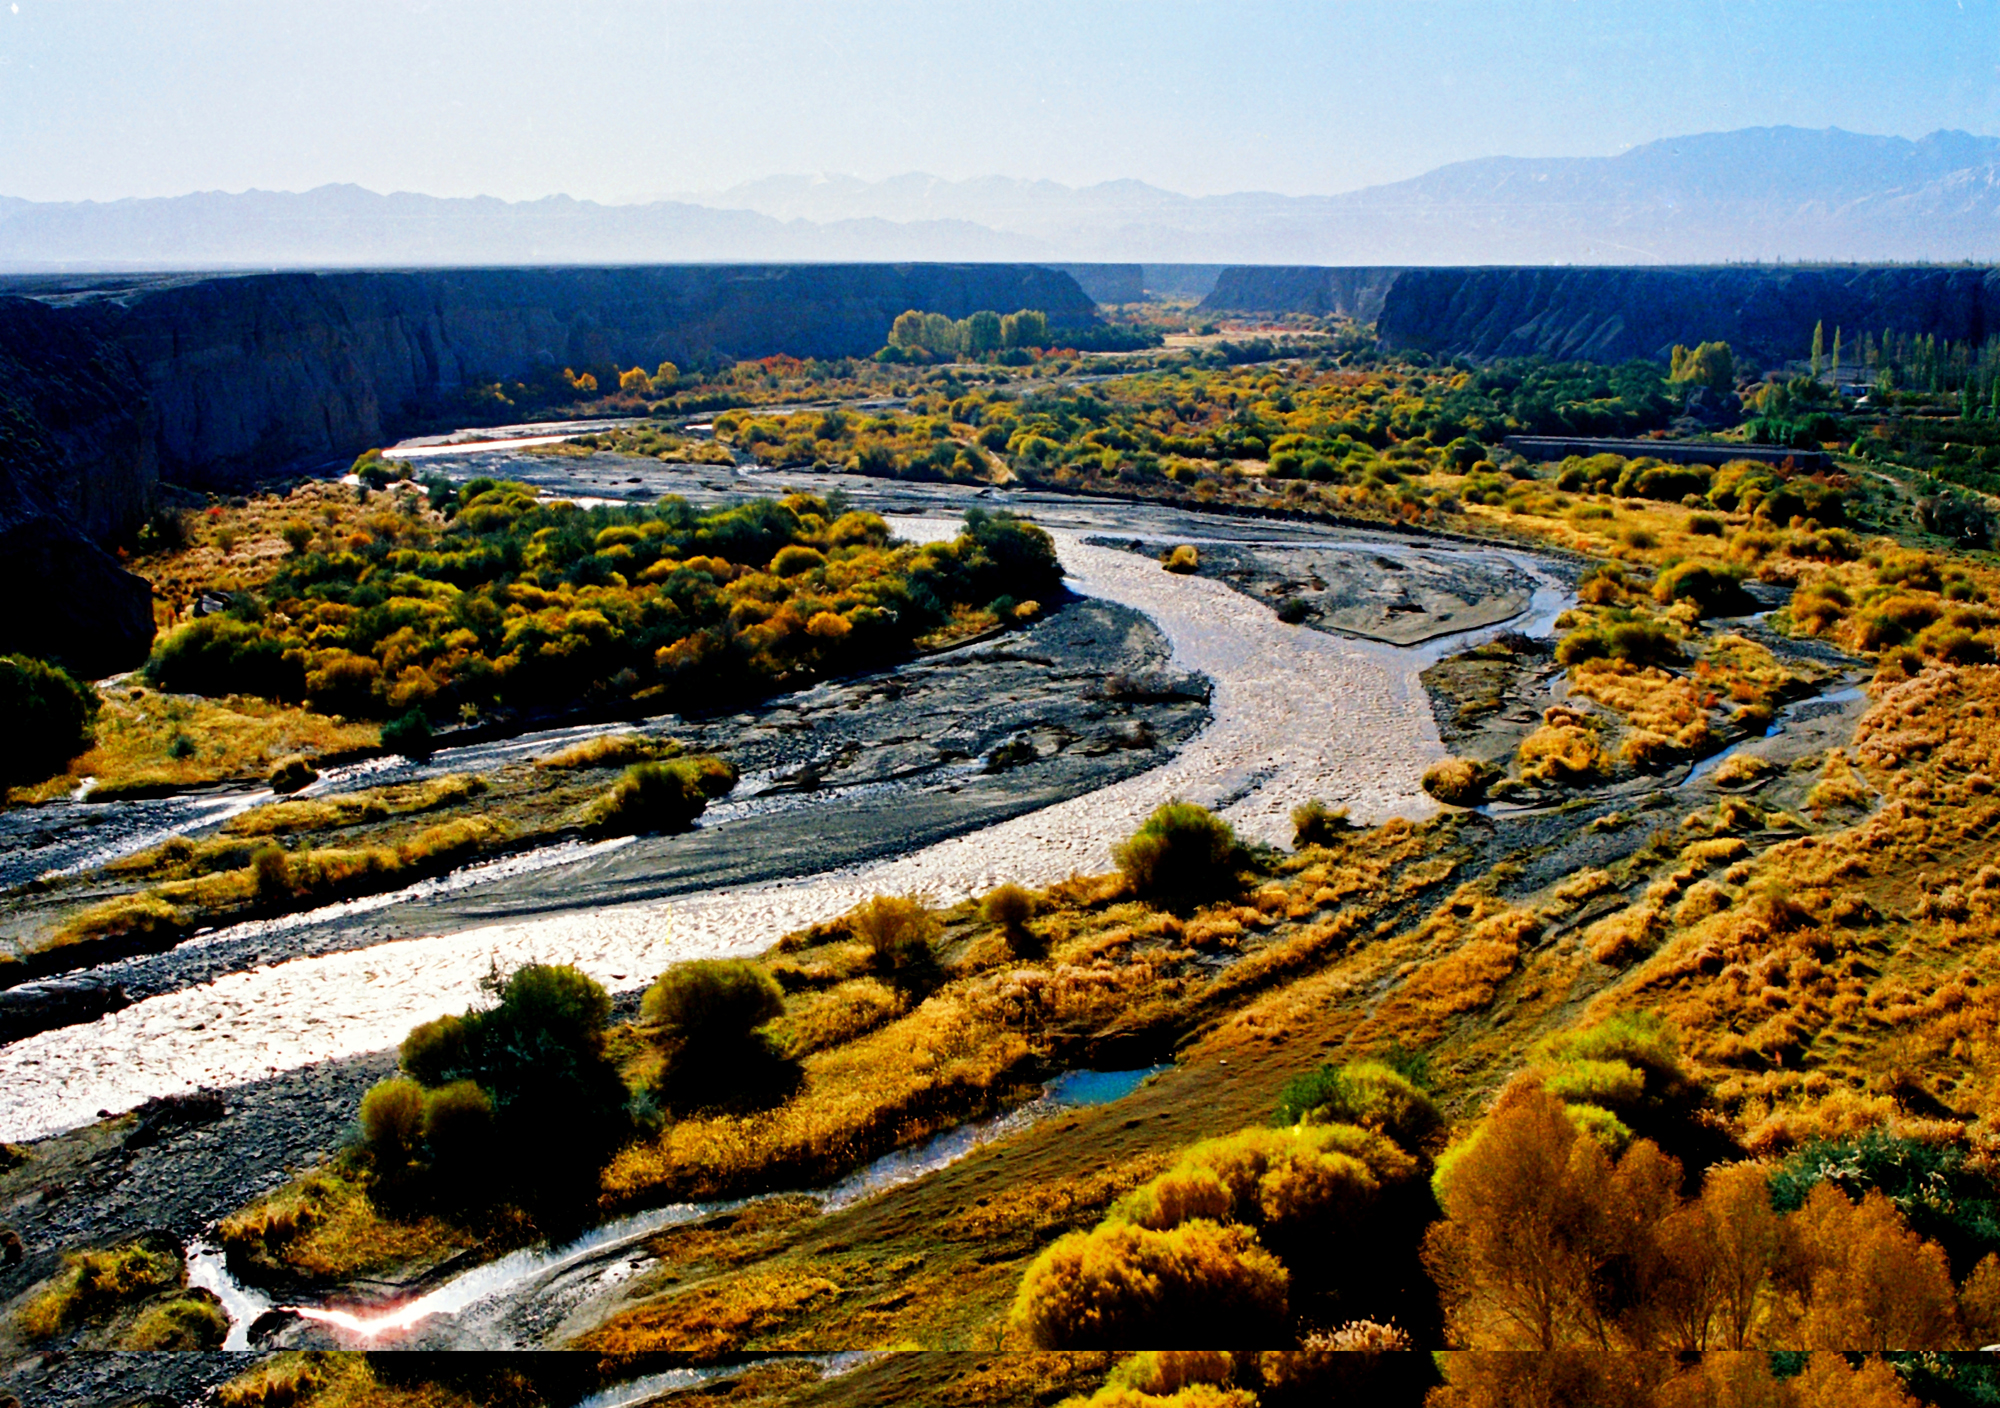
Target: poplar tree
{"points": [[1819, 346]]}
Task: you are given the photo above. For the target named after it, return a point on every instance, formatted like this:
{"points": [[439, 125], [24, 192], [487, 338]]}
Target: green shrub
{"points": [[711, 1001], [1183, 851], [392, 1123], [666, 796], [708, 1014], [1946, 1195], [1623, 1078], [1715, 591], [796, 558], [1366, 1093], [458, 1125], [441, 1050], [1316, 824], [408, 734], [1124, 1285], [192, 1320], [221, 655], [48, 718]]}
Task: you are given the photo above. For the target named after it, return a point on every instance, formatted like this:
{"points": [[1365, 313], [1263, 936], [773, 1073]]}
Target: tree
{"points": [[1711, 365], [1836, 353], [635, 380], [1747, 1238], [908, 330], [1819, 347], [1859, 1278], [665, 375], [982, 333], [940, 335], [1028, 327]]}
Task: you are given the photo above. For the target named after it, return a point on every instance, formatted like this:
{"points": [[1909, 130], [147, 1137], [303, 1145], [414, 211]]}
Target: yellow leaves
{"points": [[1563, 750], [828, 625]]}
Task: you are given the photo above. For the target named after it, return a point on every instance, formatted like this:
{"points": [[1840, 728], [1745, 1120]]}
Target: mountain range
{"points": [[1758, 194]]}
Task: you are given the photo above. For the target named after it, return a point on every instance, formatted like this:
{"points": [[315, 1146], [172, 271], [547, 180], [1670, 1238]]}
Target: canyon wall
{"points": [[1322, 292], [1611, 314], [108, 387]]}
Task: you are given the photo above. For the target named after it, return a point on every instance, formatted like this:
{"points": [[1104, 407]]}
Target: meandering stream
{"points": [[1296, 714]]}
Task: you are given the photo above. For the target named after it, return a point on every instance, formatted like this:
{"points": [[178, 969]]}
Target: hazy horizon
{"points": [[636, 100]]}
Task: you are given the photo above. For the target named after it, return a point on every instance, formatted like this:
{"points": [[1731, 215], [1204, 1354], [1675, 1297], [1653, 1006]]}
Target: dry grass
{"points": [[355, 808], [1667, 714], [1809, 977], [711, 1323], [277, 880], [1458, 782], [929, 1070], [614, 750], [326, 1379], [149, 743], [326, 1226], [1565, 750], [94, 1285]]}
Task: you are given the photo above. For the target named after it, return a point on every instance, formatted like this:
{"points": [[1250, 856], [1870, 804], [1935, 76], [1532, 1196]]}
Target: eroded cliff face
{"points": [[76, 467], [109, 387], [1323, 292], [270, 372], [1614, 314]]}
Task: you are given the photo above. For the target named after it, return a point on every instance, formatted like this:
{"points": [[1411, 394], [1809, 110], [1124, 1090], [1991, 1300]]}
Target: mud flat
{"points": [[1296, 714]]}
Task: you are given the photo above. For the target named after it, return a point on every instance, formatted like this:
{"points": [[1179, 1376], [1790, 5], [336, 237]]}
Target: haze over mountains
{"points": [[1774, 193]]}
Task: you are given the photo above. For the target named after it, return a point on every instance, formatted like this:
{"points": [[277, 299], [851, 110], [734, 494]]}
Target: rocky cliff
{"points": [[76, 465], [109, 386], [1613, 314], [1324, 292]]}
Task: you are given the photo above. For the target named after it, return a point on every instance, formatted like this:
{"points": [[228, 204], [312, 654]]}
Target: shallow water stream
{"points": [[485, 1302]]}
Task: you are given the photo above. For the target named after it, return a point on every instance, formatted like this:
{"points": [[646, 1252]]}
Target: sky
{"points": [[620, 100]]}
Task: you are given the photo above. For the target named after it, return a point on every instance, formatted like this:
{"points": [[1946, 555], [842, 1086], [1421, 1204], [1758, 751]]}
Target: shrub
{"points": [[898, 930], [1458, 782], [392, 1123], [1316, 824], [1183, 559], [1183, 851], [708, 1013], [712, 1001], [221, 655], [656, 797], [440, 1050], [192, 1320], [48, 718], [1366, 1093], [1715, 591], [1123, 1285], [408, 734], [293, 773], [458, 1126], [1940, 1190], [92, 1285], [796, 558], [1008, 908]]}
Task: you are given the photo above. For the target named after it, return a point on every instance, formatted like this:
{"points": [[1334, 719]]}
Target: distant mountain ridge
{"points": [[1763, 193], [1758, 194]]}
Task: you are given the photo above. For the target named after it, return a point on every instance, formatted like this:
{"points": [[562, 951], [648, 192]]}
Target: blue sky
{"points": [[627, 99]]}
